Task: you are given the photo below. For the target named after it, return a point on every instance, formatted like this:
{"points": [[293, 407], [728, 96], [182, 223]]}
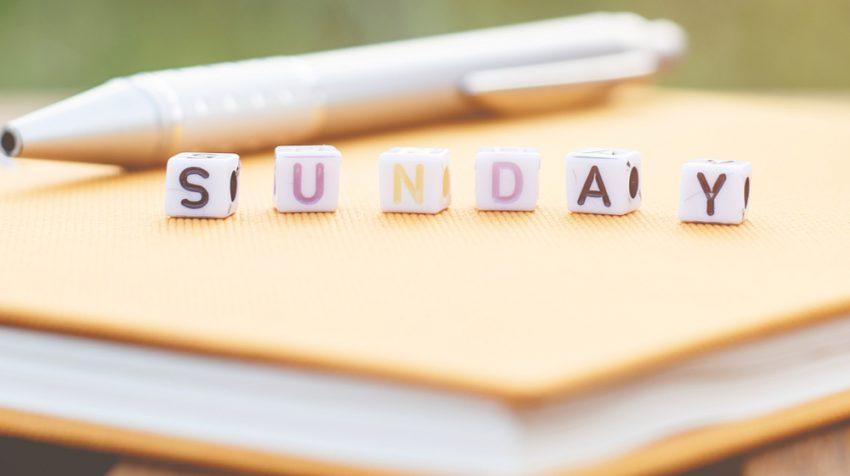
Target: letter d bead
{"points": [[506, 178]]}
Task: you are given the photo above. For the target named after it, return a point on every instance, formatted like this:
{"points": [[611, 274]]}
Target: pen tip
{"points": [[10, 142]]}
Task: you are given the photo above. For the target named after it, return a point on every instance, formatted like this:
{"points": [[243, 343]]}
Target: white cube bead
{"points": [[306, 178], [414, 180], [604, 181], [506, 178], [715, 191], [202, 184]]}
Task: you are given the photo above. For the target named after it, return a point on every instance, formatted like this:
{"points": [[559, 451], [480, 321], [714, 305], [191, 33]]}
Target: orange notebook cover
{"points": [[519, 308]]}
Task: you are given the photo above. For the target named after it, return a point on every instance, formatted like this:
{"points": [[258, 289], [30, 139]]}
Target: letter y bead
{"points": [[715, 191]]}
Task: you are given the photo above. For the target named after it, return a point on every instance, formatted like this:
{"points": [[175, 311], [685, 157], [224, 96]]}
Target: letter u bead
{"points": [[307, 178]]}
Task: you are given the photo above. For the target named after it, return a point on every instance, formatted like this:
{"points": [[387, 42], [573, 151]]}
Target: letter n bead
{"points": [[306, 178], [715, 191], [506, 178], [414, 180], [604, 181], [201, 184]]}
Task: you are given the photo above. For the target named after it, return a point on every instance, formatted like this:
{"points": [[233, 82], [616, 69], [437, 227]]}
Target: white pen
{"points": [[141, 120]]}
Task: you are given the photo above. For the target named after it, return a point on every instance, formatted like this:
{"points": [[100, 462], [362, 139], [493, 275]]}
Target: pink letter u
{"points": [[320, 185], [497, 182]]}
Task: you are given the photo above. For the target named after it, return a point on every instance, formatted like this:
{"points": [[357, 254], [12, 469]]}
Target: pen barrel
{"points": [[141, 120], [417, 80], [238, 106], [255, 104]]}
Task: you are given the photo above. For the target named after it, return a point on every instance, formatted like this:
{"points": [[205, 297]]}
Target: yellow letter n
{"points": [[415, 187]]}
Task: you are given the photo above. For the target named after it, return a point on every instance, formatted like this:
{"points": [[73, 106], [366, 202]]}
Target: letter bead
{"points": [[506, 178], [202, 184], [715, 191], [414, 180], [306, 178], [604, 181]]}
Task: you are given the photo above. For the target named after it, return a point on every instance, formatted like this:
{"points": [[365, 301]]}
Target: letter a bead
{"points": [[603, 181], [506, 178], [414, 180], [306, 178], [715, 191], [201, 184]]}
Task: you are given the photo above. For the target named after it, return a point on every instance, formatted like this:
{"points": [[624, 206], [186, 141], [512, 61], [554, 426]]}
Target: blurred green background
{"points": [[68, 45]]}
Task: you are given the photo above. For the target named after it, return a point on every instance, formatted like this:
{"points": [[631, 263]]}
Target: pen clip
{"points": [[557, 85]]}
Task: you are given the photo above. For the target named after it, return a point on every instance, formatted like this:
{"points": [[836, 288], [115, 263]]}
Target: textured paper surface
{"points": [[517, 305]]}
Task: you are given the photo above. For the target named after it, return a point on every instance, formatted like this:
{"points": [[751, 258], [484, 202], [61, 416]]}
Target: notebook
{"points": [[468, 342]]}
